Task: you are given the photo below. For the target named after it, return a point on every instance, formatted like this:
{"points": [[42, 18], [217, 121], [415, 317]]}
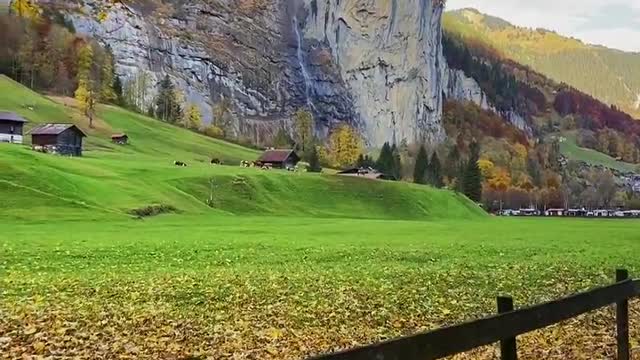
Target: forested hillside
{"points": [[540, 159], [612, 76]]}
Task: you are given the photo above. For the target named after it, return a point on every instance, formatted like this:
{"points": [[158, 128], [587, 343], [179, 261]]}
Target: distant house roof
{"points": [[276, 156], [119, 136], [9, 116], [55, 129]]}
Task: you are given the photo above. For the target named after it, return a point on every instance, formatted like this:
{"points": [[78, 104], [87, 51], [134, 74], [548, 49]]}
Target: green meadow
{"points": [[255, 264]]}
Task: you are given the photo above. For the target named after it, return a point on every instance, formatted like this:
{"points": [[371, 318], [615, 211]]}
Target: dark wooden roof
{"points": [[276, 156], [119, 136], [55, 129], [9, 116]]}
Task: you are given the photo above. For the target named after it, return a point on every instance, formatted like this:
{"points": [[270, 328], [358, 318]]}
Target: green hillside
{"points": [[572, 151], [612, 76], [112, 180]]}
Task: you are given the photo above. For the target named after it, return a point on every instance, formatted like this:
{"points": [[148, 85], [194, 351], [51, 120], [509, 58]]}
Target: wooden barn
{"points": [[281, 159], [120, 139], [11, 127], [63, 139]]}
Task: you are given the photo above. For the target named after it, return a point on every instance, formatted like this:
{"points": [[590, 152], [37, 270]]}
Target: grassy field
{"points": [[285, 287], [281, 266]]}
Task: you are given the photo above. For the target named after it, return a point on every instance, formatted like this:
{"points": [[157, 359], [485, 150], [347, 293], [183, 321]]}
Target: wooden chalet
{"points": [[63, 139], [11, 127], [120, 139], [281, 159]]}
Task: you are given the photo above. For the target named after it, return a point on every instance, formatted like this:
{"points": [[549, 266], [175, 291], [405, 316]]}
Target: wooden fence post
{"points": [[622, 320], [508, 347]]}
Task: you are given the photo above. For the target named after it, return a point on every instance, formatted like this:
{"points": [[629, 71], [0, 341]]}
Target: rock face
{"points": [[376, 64], [459, 86]]}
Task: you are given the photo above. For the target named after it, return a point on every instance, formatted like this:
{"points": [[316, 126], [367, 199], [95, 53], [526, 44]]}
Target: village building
{"points": [[280, 159], [11, 127], [120, 139], [366, 173], [63, 139]]}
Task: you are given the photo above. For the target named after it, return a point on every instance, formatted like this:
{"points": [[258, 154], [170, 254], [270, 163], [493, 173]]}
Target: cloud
{"points": [[615, 23]]}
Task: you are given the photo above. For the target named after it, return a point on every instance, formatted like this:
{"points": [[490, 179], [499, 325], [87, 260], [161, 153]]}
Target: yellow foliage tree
{"points": [[26, 8], [192, 118], [486, 168], [345, 145], [85, 94], [500, 182]]}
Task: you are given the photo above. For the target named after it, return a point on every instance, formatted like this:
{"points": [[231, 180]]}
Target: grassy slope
{"points": [[610, 75], [571, 150], [114, 179]]}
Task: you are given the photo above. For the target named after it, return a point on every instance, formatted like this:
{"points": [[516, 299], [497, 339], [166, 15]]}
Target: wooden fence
{"points": [[505, 327]]}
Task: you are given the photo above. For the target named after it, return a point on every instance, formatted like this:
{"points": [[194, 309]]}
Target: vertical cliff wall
{"points": [[390, 57], [376, 64]]}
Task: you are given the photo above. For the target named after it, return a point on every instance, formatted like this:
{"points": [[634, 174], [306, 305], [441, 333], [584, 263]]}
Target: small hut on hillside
{"points": [[11, 127], [120, 139], [281, 159], [63, 139]]}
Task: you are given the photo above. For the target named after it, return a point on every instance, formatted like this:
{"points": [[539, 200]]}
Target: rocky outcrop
{"points": [[376, 64], [459, 86]]}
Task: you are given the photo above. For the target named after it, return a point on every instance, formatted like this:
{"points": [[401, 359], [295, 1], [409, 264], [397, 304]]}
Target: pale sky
{"points": [[613, 23]]}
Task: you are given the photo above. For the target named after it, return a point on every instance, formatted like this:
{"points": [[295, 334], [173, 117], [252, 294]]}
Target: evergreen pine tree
{"points": [[435, 171], [420, 169], [452, 168], [167, 107], [472, 177], [314, 161], [117, 89], [385, 160], [396, 162]]}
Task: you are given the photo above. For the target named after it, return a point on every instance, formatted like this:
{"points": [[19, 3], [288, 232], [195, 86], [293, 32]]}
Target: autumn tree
{"points": [[420, 169], [499, 182], [26, 8], [345, 145], [85, 93], [135, 92], [192, 118]]}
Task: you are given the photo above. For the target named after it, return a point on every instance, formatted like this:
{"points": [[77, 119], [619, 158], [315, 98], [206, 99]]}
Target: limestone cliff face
{"points": [[389, 55], [458, 86], [376, 64]]}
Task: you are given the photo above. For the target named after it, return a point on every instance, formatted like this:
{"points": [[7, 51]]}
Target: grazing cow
{"points": [[266, 167], [180, 163], [245, 163], [216, 162]]}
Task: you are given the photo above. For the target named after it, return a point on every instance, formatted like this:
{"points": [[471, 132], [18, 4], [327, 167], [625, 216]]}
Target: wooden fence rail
{"points": [[505, 327]]}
